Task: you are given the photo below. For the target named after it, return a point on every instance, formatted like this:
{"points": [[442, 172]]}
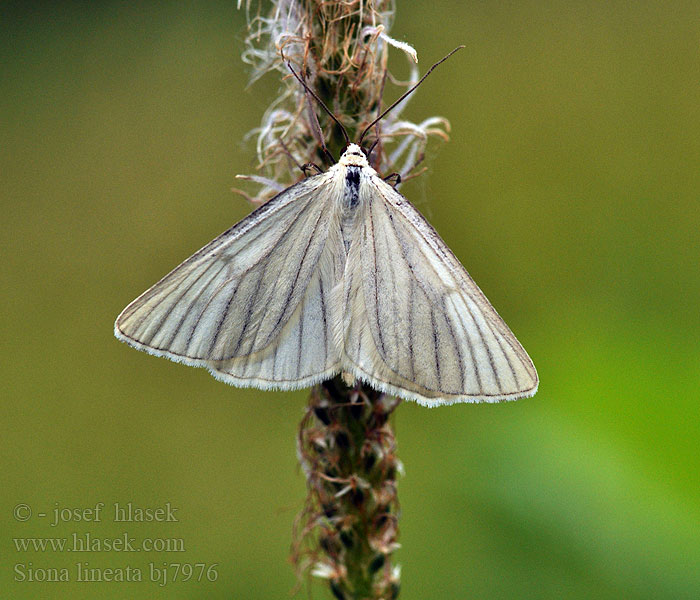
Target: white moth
{"points": [[336, 274]]}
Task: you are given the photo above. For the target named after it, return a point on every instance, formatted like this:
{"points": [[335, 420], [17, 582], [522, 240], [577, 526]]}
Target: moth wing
{"points": [[306, 350], [302, 354], [416, 323], [231, 304]]}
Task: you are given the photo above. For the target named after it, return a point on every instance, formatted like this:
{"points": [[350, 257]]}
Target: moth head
{"points": [[353, 156]]}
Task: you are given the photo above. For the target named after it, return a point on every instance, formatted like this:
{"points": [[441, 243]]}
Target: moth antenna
{"points": [[379, 108], [372, 147], [324, 107], [405, 94], [316, 127]]}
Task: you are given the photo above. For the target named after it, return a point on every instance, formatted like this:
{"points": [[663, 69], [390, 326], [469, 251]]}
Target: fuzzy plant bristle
{"points": [[341, 49]]}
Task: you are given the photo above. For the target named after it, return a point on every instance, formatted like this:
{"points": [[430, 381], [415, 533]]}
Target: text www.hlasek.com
{"points": [[85, 542]]}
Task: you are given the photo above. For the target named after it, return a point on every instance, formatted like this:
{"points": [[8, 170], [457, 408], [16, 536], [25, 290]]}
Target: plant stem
{"points": [[347, 449]]}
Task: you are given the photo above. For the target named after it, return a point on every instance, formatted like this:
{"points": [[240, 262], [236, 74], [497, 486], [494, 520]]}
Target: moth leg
{"points": [[310, 169], [289, 154], [393, 180]]}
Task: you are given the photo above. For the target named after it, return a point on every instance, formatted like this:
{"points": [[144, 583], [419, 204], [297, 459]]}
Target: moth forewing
{"points": [[233, 297], [433, 333]]}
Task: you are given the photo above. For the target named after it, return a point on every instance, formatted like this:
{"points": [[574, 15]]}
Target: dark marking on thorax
{"points": [[352, 186], [351, 200]]}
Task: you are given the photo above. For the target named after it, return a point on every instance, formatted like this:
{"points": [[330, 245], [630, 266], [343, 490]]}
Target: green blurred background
{"points": [[570, 191]]}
